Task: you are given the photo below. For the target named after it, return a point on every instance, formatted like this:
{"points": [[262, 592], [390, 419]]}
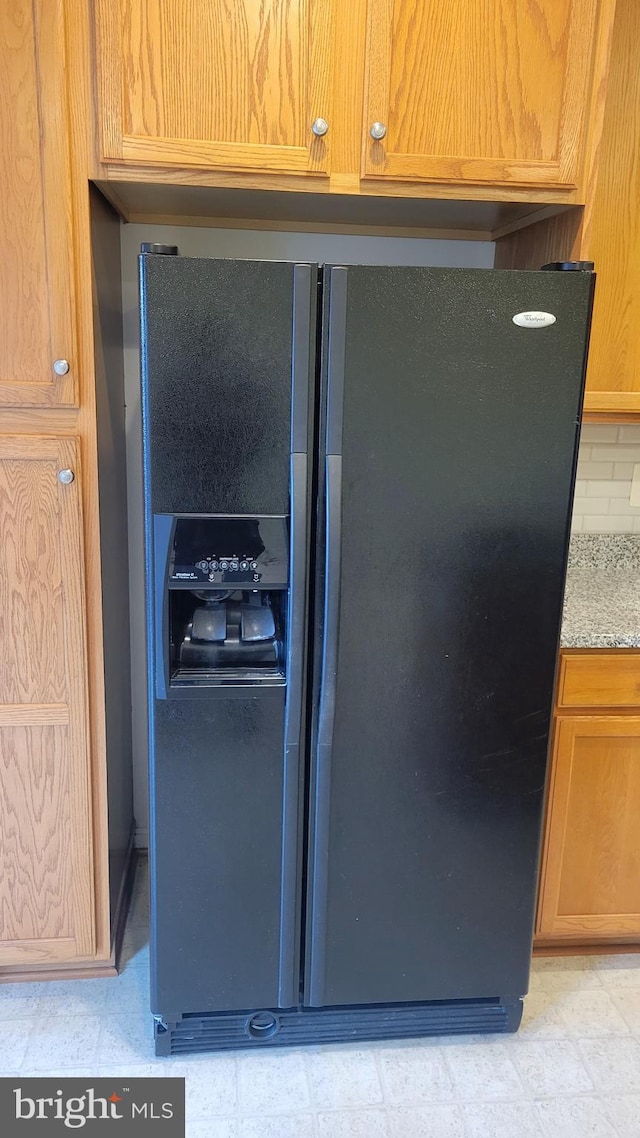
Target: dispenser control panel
{"points": [[230, 552]]}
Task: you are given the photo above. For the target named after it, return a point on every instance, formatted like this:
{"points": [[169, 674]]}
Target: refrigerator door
{"points": [[228, 376], [449, 448]]}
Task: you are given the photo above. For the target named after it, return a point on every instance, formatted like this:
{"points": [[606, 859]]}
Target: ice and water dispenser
{"points": [[221, 602]]}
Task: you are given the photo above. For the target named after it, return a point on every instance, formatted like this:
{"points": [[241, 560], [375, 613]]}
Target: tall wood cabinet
{"points": [[55, 910]]}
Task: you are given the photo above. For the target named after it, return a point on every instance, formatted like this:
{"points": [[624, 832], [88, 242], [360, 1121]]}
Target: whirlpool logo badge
{"points": [[533, 319], [135, 1107]]}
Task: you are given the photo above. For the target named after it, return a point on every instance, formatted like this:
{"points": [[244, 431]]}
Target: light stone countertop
{"points": [[602, 597]]}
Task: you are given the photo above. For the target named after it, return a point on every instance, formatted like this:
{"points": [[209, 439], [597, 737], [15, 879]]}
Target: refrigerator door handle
{"points": [[301, 376], [321, 800], [297, 599], [333, 539], [157, 556], [289, 909], [333, 503], [321, 794], [302, 373]]}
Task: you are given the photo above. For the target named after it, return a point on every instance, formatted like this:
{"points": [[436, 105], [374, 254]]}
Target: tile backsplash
{"points": [[606, 462]]}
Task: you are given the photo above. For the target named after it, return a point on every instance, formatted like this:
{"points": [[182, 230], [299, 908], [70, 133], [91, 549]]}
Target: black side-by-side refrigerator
{"points": [[358, 486]]}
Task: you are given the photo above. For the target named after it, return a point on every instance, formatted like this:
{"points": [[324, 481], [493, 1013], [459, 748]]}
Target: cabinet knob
{"points": [[319, 127], [377, 130], [61, 367], [65, 476]]}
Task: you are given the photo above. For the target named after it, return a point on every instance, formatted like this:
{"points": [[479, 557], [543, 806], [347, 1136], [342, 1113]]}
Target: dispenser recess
{"points": [[222, 604]]}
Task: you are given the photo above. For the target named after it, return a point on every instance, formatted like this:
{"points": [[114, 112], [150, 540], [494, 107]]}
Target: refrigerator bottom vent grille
{"points": [[333, 1025]]}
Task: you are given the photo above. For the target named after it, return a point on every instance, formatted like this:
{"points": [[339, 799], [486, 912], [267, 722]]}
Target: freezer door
{"points": [[450, 436], [228, 392]]}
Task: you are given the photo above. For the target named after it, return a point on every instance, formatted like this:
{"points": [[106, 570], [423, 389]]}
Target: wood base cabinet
{"points": [[46, 851], [590, 880]]}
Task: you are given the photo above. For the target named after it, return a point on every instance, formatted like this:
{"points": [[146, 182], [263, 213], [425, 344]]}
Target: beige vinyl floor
{"points": [[572, 1071]]}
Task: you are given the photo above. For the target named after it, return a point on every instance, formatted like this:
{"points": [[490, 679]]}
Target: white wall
{"points": [[605, 470], [197, 242]]}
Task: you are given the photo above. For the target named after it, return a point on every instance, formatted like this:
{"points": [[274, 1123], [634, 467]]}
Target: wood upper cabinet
{"points": [[497, 93], [590, 884], [607, 232], [612, 230], [225, 83], [36, 267], [46, 859], [494, 92]]}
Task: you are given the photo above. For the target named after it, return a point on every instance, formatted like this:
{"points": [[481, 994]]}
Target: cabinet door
{"points": [[36, 266], [46, 891], [496, 91], [612, 230], [591, 867], [227, 83]]}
